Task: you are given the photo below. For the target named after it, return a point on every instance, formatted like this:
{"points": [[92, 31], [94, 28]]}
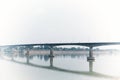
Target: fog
{"points": [[46, 21]]}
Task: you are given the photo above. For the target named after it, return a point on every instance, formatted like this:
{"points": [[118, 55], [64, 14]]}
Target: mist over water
{"points": [[62, 66]]}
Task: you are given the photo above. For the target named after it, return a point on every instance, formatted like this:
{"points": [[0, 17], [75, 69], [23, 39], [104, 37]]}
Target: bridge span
{"points": [[51, 46], [87, 44]]}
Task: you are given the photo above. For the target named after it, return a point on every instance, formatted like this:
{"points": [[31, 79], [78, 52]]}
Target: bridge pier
{"points": [[90, 54], [12, 57], [51, 56], [90, 65], [27, 56], [13, 54], [51, 61], [51, 52]]}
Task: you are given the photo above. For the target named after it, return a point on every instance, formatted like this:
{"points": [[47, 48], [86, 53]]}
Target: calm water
{"points": [[62, 67]]}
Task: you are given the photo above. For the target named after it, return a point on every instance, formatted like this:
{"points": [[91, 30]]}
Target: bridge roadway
{"points": [[51, 46], [87, 44]]}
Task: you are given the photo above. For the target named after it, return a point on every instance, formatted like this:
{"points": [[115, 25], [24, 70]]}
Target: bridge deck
{"points": [[92, 44]]}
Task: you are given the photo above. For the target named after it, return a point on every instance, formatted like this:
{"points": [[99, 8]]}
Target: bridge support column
{"points": [[13, 54], [51, 61], [90, 65], [27, 56], [51, 56], [12, 57], [90, 54]]}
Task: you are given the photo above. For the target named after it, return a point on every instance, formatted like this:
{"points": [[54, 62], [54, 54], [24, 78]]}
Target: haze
{"points": [[47, 21]]}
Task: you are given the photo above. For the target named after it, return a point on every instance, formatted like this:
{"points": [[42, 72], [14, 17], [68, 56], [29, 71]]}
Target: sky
{"points": [[49, 21]]}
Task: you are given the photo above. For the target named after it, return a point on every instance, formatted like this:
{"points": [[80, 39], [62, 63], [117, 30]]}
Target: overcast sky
{"points": [[45, 21]]}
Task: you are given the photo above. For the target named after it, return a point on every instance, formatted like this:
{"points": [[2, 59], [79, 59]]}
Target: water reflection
{"points": [[87, 73], [46, 58]]}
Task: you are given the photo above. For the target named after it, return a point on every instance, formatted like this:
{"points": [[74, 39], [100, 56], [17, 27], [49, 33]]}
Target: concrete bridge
{"points": [[87, 44], [91, 45]]}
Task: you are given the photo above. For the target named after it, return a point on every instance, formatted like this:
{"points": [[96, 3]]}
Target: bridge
{"points": [[51, 46], [87, 44]]}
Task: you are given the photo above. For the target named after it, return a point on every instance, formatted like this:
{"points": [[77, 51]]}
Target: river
{"points": [[62, 67]]}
